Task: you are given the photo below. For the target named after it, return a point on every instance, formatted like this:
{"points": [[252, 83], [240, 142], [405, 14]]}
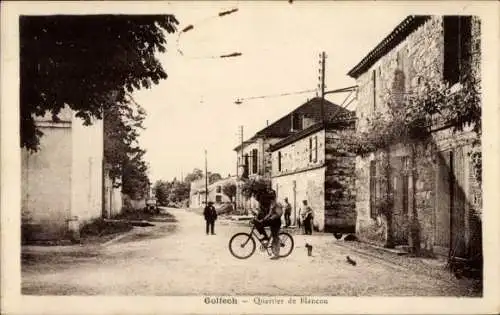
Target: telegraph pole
{"points": [[321, 84], [206, 180], [238, 164]]}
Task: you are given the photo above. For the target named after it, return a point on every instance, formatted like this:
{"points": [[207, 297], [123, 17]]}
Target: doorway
{"points": [[450, 204]]}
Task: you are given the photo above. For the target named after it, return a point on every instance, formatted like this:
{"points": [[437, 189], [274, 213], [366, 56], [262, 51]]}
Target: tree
{"points": [[229, 189], [90, 63], [257, 188], [195, 175], [161, 190], [135, 181], [179, 192], [213, 177]]}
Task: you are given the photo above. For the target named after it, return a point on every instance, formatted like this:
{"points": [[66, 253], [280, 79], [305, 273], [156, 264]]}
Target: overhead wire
{"points": [[240, 100], [194, 26]]}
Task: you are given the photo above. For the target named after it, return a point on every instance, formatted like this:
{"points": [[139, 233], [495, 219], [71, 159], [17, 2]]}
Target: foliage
{"points": [[135, 181], [161, 190], [121, 130], [213, 177], [171, 192], [79, 61], [193, 176], [257, 188], [179, 192], [229, 189], [410, 117]]}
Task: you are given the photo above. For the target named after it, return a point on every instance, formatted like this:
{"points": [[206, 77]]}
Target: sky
{"points": [[194, 109]]}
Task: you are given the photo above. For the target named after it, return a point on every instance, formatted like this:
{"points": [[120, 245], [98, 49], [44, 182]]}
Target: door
{"points": [[294, 200], [450, 204], [400, 192], [443, 203]]}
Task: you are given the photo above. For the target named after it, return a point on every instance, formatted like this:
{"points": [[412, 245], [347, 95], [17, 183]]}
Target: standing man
{"points": [[210, 215], [288, 213], [308, 216]]}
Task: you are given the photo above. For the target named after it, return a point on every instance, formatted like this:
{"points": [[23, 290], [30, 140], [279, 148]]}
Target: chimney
{"points": [[267, 123]]}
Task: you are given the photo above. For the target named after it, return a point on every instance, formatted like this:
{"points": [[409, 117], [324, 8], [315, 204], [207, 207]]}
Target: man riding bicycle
{"points": [[270, 215]]}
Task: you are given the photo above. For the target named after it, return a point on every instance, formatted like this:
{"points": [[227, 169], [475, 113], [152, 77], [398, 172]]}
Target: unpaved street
{"points": [[179, 259]]}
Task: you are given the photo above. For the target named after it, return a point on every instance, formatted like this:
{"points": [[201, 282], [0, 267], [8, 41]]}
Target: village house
{"points": [[215, 192], [63, 184], [312, 165], [436, 207], [253, 156]]}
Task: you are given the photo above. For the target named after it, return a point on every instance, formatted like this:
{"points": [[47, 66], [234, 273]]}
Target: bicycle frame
{"points": [[255, 234]]}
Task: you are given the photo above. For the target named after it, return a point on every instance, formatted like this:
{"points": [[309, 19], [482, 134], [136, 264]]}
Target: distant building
{"points": [[311, 165], [254, 155], [62, 183], [445, 216], [215, 192]]}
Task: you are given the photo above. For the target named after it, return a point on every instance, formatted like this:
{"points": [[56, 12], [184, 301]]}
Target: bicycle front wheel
{"points": [[286, 244], [242, 245]]}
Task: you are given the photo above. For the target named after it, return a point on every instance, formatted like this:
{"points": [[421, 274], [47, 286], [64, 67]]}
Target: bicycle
{"points": [[246, 241]]}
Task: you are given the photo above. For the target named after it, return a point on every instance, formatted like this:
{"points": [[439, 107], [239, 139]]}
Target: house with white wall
{"points": [[62, 183]]}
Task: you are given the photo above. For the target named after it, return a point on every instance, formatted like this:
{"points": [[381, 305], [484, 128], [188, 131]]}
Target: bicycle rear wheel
{"points": [[286, 244], [242, 245]]}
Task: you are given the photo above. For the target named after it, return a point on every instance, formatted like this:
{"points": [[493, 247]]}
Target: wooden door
{"points": [[399, 187], [443, 203], [450, 203]]}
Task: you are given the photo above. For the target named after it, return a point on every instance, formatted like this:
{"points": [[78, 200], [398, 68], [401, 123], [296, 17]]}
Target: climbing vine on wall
{"points": [[411, 117]]}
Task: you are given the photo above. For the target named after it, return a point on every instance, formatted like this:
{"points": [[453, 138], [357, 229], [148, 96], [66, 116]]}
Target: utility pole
{"points": [[206, 180], [321, 84], [239, 163]]}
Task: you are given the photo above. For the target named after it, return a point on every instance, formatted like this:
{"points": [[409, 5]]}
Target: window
{"points": [[218, 198], [279, 161], [219, 189], [310, 149], [296, 122], [457, 38], [245, 161], [255, 161], [373, 189]]}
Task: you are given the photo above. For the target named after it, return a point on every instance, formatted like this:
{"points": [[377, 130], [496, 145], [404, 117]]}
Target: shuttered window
{"points": [[255, 161]]}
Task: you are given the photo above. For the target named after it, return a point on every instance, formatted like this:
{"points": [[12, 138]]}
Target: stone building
{"points": [[62, 183], [254, 155], [437, 201], [312, 165], [215, 192]]}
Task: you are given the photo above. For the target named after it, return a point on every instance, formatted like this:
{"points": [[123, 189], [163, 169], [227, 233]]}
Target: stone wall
{"points": [[295, 156], [340, 192], [419, 56]]}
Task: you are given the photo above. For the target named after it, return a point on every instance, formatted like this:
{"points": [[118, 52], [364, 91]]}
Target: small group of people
{"points": [[305, 217], [269, 214]]}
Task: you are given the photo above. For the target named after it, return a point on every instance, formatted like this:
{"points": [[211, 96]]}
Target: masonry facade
{"points": [[437, 207], [312, 165]]}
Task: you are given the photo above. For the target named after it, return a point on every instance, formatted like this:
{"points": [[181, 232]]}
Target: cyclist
{"points": [[272, 219]]}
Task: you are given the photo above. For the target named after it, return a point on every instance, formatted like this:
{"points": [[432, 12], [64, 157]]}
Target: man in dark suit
{"points": [[210, 215]]}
